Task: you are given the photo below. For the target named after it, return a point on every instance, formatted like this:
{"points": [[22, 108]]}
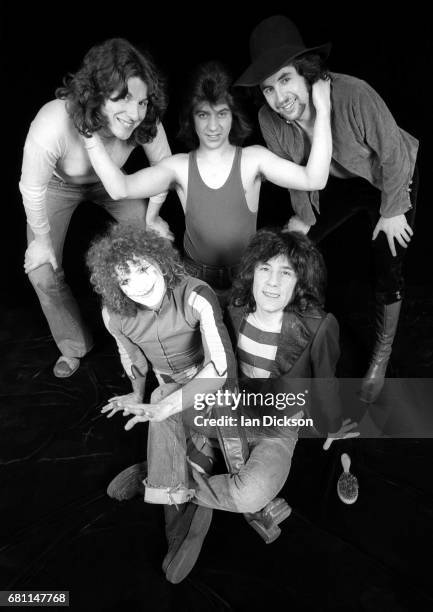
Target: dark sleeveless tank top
{"points": [[218, 222]]}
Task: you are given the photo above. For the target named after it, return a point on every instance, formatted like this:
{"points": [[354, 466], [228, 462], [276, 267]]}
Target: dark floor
{"points": [[59, 530]]}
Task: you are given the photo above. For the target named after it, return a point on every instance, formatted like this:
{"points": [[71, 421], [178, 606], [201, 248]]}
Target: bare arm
{"points": [[157, 150], [314, 175], [142, 184]]}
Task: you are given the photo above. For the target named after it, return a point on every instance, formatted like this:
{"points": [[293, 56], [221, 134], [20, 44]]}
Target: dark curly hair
{"points": [[123, 243], [303, 255], [106, 69], [211, 83]]}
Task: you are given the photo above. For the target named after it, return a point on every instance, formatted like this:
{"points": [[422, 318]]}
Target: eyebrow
{"points": [[283, 75]]}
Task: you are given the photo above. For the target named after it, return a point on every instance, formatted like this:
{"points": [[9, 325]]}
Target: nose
{"points": [[213, 123], [273, 278], [279, 95], [133, 110]]}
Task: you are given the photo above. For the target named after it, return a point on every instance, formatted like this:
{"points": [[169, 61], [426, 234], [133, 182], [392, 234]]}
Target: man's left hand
{"points": [[146, 412], [394, 227], [345, 431]]}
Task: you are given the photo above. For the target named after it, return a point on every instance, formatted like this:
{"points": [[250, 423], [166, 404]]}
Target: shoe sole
{"points": [[125, 480], [186, 557]]}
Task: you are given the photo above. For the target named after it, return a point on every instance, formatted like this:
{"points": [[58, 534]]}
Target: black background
{"points": [[389, 49], [58, 529]]}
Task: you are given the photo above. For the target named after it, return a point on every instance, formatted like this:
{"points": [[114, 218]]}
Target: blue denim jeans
{"points": [[58, 304], [172, 480]]}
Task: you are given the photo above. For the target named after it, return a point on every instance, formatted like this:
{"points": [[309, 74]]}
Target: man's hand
{"points": [[321, 95], [147, 412], [343, 433], [161, 227], [39, 253], [394, 227], [295, 224], [118, 403]]}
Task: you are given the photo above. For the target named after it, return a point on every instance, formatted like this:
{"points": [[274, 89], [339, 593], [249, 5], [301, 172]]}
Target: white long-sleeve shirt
{"points": [[54, 146]]}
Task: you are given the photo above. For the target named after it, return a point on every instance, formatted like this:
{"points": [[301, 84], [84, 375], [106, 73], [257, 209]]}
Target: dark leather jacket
{"points": [[308, 349]]}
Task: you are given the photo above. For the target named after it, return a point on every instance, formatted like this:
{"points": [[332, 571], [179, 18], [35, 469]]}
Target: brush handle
{"points": [[345, 462]]}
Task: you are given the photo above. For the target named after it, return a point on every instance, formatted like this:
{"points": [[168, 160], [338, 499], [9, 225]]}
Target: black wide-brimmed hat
{"points": [[275, 42]]}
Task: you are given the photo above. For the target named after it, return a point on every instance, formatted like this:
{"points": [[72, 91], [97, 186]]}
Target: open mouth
{"points": [[127, 124], [287, 108], [270, 294]]}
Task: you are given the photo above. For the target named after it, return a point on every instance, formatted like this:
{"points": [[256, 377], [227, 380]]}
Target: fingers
{"points": [[137, 419], [354, 434], [137, 409], [348, 425], [403, 242], [391, 245], [327, 443]]}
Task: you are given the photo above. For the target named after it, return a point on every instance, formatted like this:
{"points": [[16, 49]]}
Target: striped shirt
{"points": [[257, 349]]}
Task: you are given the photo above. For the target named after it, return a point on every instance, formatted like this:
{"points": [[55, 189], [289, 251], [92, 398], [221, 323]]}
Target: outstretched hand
{"points": [[345, 432], [147, 412], [394, 228], [129, 404]]}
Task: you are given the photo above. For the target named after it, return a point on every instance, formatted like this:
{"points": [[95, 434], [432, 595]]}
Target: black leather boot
{"points": [[387, 316]]}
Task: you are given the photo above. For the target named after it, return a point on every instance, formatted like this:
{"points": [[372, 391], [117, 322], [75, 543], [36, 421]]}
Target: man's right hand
{"points": [[161, 227], [39, 252], [295, 224], [321, 95], [119, 402]]}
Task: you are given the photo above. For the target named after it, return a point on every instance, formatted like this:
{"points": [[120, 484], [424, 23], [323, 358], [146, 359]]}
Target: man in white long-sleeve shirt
{"points": [[124, 101]]}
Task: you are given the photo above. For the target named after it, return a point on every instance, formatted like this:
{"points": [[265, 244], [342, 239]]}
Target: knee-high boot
{"points": [[387, 316]]}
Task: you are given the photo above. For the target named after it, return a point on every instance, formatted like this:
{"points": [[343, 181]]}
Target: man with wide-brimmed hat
{"points": [[367, 144]]}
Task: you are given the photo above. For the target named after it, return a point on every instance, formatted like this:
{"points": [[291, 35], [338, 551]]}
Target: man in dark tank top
{"points": [[218, 182]]}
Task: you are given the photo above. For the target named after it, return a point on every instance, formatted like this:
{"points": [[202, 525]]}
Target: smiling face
{"points": [[143, 283], [213, 124], [125, 114], [273, 285], [287, 93]]}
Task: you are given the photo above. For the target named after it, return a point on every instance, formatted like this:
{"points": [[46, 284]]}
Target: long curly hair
{"points": [[110, 253], [211, 82], [105, 70], [304, 257]]}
